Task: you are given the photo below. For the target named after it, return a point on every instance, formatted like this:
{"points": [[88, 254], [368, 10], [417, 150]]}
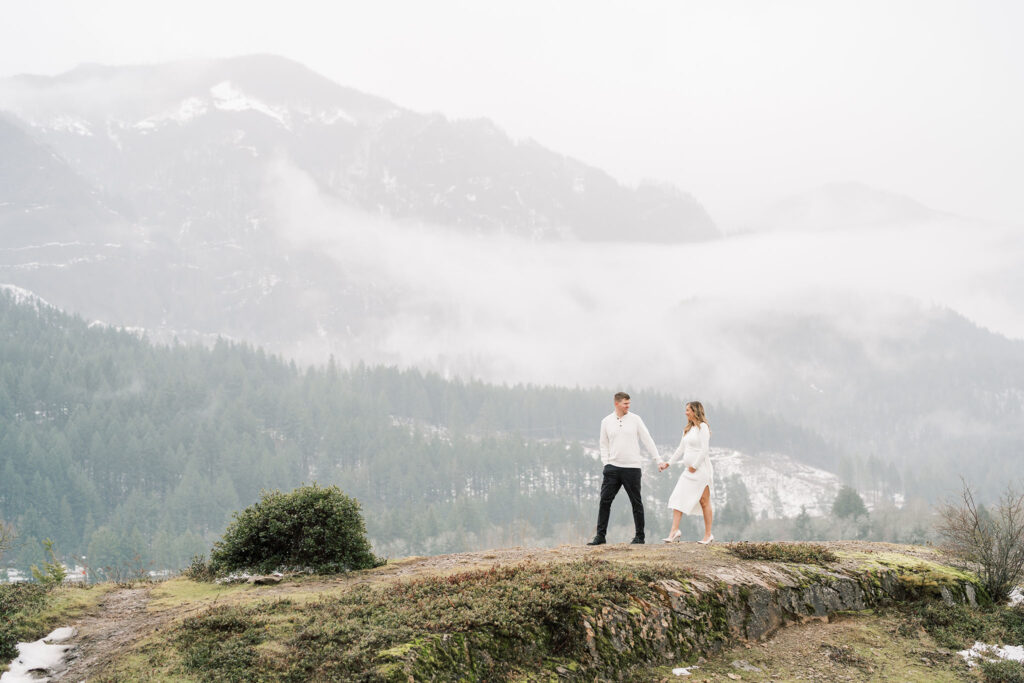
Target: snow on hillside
{"points": [[777, 484], [189, 109], [228, 97], [24, 296]]}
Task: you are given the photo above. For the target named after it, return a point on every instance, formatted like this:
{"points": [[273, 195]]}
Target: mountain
{"points": [[196, 199], [188, 146], [836, 206]]}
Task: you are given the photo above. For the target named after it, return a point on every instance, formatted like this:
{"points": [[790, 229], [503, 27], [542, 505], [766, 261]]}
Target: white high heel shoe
{"points": [[673, 537], [707, 542]]}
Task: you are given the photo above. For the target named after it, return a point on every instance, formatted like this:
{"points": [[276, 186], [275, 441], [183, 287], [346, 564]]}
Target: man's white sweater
{"points": [[620, 441]]}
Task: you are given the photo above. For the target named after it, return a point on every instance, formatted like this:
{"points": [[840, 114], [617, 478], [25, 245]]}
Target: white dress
{"points": [[693, 448]]}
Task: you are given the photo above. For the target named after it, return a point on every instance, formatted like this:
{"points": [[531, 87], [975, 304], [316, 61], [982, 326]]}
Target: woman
{"points": [[692, 494]]}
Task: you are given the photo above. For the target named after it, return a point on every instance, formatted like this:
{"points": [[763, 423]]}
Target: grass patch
{"points": [[220, 645], [182, 591], [926, 568], [1002, 671], [797, 553]]}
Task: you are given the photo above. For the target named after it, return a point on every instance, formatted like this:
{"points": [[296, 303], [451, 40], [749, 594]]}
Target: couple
{"points": [[621, 434]]}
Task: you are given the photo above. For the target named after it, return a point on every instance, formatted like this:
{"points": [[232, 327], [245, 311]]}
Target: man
{"points": [[621, 435]]}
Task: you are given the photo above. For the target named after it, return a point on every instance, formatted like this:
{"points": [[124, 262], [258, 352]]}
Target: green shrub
{"points": [[1002, 671], [314, 528], [959, 626], [1011, 622], [16, 598], [800, 553], [953, 626]]}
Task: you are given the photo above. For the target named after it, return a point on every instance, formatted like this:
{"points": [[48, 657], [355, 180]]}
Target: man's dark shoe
{"points": [[637, 540], [598, 540]]}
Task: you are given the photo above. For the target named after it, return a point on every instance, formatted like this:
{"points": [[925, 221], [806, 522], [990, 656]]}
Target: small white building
{"points": [[77, 574]]}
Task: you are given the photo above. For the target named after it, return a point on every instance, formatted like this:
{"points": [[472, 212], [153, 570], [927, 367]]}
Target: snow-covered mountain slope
{"points": [[778, 486], [188, 146]]}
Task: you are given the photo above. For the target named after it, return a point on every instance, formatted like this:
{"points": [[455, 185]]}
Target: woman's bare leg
{"points": [[676, 516], [705, 506]]}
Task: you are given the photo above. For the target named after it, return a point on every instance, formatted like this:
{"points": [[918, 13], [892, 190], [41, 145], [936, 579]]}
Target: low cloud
{"points": [[671, 317]]}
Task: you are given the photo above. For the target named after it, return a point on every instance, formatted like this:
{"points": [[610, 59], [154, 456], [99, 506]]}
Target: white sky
{"points": [[738, 102]]}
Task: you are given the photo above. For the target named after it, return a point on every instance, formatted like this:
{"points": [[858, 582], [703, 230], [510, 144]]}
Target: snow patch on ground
{"points": [[39, 660], [981, 652]]}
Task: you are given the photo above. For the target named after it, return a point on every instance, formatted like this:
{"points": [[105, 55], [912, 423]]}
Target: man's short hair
{"points": [[621, 396]]}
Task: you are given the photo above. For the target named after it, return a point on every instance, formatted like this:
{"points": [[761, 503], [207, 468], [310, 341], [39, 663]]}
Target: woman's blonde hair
{"points": [[698, 416]]}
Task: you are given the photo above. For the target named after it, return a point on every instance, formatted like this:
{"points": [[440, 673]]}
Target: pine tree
{"points": [[848, 504]]}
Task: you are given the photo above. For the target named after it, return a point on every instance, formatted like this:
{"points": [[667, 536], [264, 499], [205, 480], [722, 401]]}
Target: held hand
{"points": [[662, 466], [691, 469]]}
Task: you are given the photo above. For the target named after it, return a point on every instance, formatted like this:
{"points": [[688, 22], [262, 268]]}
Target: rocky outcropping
{"points": [[722, 600], [751, 600]]}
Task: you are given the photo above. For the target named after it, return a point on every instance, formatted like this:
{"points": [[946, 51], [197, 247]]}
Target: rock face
{"points": [[700, 616]]}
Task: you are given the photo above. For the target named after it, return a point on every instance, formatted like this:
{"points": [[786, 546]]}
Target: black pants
{"points": [[614, 478]]}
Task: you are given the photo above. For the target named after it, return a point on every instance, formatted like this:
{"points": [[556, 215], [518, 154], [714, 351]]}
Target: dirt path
{"points": [[121, 620], [712, 560]]}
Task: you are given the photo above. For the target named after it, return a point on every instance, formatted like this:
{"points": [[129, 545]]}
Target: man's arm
{"points": [[606, 453], [648, 442]]}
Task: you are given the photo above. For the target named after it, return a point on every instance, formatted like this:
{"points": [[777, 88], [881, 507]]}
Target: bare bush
{"points": [[990, 540], [127, 574]]}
